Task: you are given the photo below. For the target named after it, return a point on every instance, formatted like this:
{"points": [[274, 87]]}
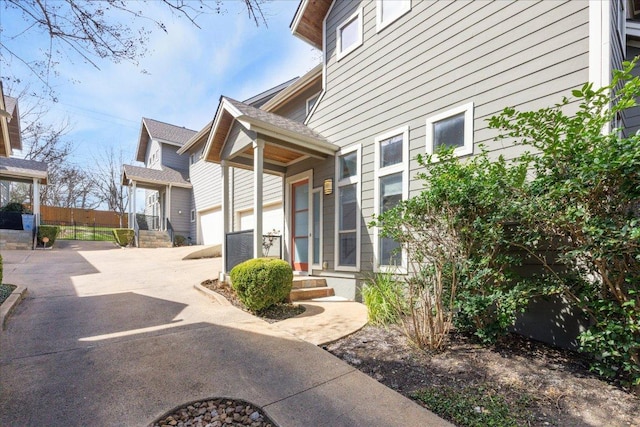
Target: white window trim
{"points": [[467, 148], [288, 182], [380, 172], [193, 215], [380, 24], [342, 53], [340, 183], [317, 97], [317, 265]]}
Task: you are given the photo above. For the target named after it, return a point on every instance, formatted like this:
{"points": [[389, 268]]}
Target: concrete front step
{"points": [[154, 239], [302, 282], [302, 294]]}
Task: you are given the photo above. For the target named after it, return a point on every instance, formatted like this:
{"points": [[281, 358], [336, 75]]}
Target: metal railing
{"points": [[136, 231], [75, 230], [148, 222], [239, 247], [169, 229]]}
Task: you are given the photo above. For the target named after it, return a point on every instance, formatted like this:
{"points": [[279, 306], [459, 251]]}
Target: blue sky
{"points": [[188, 69]]}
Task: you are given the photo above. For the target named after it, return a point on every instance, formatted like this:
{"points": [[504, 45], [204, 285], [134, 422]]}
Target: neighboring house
{"points": [[400, 78], [165, 179], [206, 213], [17, 232], [182, 192]]}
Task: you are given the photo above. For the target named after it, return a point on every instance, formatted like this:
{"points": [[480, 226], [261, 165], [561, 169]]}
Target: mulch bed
{"points": [[271, 314]]}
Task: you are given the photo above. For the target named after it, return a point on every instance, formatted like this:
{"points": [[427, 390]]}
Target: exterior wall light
{"points": [[328, 186]]}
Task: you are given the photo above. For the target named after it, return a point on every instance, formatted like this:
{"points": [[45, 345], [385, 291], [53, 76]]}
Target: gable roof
{"points": [[296, 139], [21, 168], [9, 125], [163, 132], [261, 98], [164, 176], [307, 23], [256, 101]]}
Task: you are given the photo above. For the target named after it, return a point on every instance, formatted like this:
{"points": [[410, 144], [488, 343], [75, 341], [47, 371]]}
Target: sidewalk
{"points": [[120, 336]]}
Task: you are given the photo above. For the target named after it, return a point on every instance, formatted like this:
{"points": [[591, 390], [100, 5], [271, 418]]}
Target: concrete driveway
{"points": [[113, 336]]}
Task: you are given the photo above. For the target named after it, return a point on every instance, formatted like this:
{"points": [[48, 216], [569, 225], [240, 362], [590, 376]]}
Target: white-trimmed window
{"points": [[193, 215], [316, 219], [388, 11], [347, 243], [312, 101], [349, 34], [391, 186], [453, 128]]}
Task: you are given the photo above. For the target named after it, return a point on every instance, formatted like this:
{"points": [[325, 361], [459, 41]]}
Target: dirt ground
{"points": [[559, 389]]}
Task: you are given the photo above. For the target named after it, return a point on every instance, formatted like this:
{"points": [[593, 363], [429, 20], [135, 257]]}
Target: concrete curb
{"points": [[213, 295], [10, 304]]}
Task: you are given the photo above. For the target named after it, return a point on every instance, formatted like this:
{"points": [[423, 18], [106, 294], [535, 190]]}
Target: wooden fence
{"points": [[82, 216]]}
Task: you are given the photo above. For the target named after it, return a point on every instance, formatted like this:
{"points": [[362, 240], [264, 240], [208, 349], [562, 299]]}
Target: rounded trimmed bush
{"points": [[262, 282]]}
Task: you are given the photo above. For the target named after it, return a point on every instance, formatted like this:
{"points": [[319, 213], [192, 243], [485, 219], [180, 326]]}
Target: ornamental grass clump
{"points": [[262, 282]]}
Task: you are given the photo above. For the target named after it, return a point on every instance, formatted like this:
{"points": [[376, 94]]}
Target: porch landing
{"points": [[325, 321]]}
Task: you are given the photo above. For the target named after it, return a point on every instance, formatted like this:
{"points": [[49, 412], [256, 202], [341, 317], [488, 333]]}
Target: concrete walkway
{"points": [[120, 336]]}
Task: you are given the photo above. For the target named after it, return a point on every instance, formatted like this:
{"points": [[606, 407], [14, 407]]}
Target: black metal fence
{"points": [[148, 222], [82, 231], [239, 247]]}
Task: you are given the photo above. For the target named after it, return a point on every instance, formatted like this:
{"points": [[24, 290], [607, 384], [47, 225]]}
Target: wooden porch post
{"points": [[224, 170], [167, 206], [258, 164]]}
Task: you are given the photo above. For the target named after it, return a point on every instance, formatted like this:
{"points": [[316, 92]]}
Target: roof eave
{"points": [[195, 139], [301, 84]]}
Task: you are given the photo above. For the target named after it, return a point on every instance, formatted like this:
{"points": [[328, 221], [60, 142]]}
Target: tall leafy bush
{"points": [[585, 195]]}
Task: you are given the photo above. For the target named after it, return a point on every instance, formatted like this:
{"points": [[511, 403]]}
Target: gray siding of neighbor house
{"points": [[296, 109], [243, 191], [171, 158], [180, 202], [438, 56], [206, 179], [153, 146]]}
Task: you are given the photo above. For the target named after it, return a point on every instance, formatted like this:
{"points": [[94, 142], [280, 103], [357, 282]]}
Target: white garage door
{"points": [[211, 227], [272, 219]]}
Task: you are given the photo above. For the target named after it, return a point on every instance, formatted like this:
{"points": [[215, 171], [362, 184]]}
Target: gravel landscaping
{"points": [[216, 413], [5, 291]]}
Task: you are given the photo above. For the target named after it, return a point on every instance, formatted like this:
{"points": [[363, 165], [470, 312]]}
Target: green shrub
{"points": [[124, 236], [385, 300], [262, 282], [179, 240], [50, 231], [15, 207]]}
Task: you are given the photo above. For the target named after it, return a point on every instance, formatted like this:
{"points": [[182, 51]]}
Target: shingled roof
{"points": [[275, 120], [21, 168], [163, 132], [165, 176]]}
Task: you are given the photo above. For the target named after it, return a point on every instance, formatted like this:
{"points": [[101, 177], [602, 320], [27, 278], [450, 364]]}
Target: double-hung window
{"points": [[347, 244], [349, 34], [451, 129], [388, 11], [391, 186]]}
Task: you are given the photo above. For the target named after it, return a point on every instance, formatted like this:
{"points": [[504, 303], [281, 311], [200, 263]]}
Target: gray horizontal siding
{"points": [[440, 55], [171, 158], [237, 140], [243, 191], [296, 108], [180, 206]]}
